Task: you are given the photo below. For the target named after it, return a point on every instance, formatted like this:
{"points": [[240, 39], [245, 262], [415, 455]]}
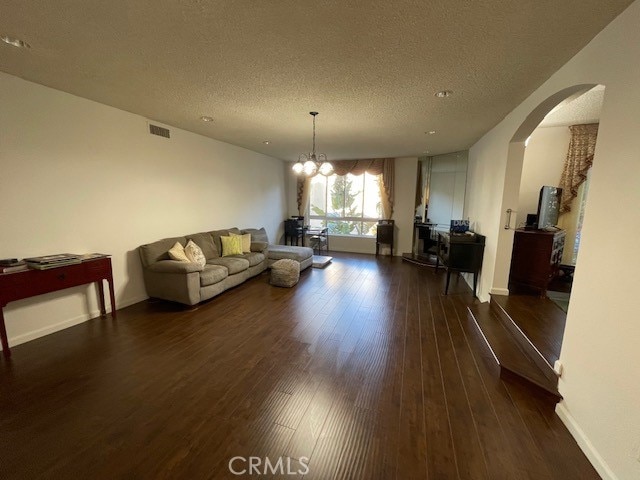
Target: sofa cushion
{"points": [[257, 235], [175, 266], [216, 234], [246, 241], [233, 264], [194, 253], [212, 274], [177, 253], [254, 258], [156, 251], [259, 246], [205, 241], [231, 245], [277, 252]]}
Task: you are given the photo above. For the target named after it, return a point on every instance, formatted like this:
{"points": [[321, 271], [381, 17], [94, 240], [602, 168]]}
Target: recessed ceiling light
{"points": [[205, 118], [444, 93], [16, 42], [266, 142]]}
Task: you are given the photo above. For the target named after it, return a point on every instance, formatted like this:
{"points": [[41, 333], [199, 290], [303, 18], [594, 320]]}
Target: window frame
{"points": [[361, 219]]}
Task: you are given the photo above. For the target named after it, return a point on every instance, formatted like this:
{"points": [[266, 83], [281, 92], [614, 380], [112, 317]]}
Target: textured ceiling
{"points": [[584, 109], [370, 68]]}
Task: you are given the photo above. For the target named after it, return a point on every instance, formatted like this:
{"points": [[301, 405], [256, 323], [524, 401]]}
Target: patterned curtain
{"points": [[579, 160], [304, 190], [385, 167]]}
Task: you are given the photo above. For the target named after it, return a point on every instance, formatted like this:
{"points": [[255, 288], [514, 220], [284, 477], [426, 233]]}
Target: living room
{"points": [[83, 176]]}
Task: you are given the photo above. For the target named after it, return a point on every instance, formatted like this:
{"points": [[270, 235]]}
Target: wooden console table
{"points": [[29, 283]]}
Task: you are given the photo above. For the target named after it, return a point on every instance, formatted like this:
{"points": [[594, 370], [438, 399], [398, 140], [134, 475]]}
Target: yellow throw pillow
{"points": [[177, 253], [246, 241], [194, 253], [231, 245]]}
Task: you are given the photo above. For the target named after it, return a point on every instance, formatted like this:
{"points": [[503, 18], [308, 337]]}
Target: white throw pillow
{"points": [[177, 253], [194, 254]]}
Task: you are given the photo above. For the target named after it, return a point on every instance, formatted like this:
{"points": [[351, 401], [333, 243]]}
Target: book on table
{"points": [[92, 256], [16, 267], [52, 261], [10, 262], [47, 261]]}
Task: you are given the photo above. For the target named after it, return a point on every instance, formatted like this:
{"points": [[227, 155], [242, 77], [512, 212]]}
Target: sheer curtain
{"points": [[579, 160], [384, 167]]}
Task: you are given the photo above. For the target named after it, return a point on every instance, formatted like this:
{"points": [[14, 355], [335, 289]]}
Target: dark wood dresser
{"points": [[536, 259]]}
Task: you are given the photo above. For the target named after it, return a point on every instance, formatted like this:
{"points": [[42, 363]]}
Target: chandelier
{"points": [[309, 163]]}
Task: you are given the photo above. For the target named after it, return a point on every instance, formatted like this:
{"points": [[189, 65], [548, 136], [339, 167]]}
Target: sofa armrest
{"points": [[174, 266], [259, 246]]}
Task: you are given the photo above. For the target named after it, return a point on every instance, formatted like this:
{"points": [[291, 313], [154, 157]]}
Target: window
{"points": [[346, 205]]}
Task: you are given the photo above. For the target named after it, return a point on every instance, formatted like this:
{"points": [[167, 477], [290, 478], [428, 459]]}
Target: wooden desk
{"points": [[29, 283], [460, 253]]}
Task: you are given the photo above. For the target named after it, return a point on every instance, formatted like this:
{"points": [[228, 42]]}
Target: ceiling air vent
{"points": [[156, 130]]}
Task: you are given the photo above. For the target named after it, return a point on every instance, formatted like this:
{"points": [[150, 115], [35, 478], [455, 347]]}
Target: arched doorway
{"points": [[537, 319], [513, 174]]}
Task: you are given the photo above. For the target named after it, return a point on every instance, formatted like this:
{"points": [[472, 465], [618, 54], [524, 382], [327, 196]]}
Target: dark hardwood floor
{"points": [[541, 320], [363, 367]]}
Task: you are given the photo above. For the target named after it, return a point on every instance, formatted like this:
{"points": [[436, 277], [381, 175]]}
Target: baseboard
{"points": [[584, 443], [499, 291], [56, 327]]}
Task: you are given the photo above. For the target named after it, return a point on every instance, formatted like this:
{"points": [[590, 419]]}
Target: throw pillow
{"points": [[246, 241], [177, 253], [194, 254], [231, 245]]}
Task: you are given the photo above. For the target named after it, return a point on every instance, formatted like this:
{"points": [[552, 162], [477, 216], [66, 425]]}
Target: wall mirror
{"points": [[440, 191]]}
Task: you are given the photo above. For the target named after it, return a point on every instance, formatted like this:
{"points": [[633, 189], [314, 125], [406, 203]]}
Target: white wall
{"points": [[403, 211], [600, 352], [79, 177], [544, 159]]}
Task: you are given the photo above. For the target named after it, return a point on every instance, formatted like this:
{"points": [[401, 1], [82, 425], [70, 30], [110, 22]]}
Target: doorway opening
{"points": [[542, 258]]}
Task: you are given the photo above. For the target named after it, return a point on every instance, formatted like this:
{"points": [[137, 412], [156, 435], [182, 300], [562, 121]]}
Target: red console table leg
{"points": [[3, 336], [103, 308], [112, 296]]}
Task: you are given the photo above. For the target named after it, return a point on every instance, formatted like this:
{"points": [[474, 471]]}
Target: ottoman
{"points": [[285, 273]]}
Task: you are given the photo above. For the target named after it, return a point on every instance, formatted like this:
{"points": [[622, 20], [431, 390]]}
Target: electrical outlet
{"points": [[557, 367]]}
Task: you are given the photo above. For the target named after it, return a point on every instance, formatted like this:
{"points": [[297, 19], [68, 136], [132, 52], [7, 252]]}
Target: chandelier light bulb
{"points": [[310, 168], [326, 169], [298, 167]]}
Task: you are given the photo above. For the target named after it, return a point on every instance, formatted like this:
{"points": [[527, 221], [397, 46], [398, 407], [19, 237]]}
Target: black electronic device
{"points": [[549, 207], [532, 221]]}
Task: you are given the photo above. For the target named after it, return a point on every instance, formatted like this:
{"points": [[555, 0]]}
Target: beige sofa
{"points": [[190, 284]]}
